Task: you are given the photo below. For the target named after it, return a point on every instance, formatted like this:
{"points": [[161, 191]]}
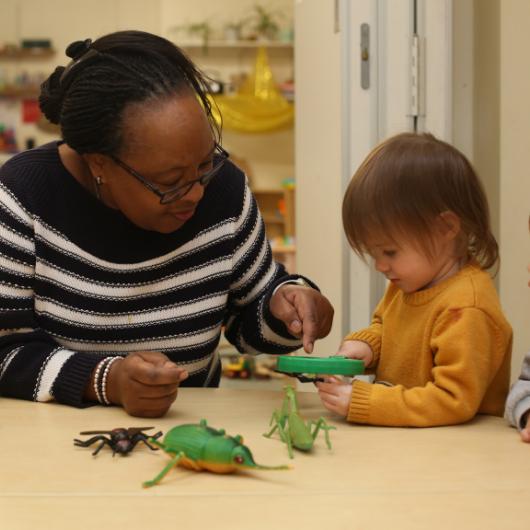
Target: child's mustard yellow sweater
{"points": [[445, 350]]}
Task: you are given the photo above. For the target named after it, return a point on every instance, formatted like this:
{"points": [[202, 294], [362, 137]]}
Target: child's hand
{"points": [[335, 395], [357, 349], [525, 433], [145, 383]]}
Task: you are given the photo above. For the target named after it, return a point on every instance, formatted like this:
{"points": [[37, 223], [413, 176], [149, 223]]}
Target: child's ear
{"points": [[449, 225]]}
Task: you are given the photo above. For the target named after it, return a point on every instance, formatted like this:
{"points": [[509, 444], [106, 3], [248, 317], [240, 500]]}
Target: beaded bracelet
{"points": [[106, 371], [97, 374]]}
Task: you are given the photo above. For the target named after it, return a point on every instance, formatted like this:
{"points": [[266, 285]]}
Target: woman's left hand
{"points": [[306, 312]]}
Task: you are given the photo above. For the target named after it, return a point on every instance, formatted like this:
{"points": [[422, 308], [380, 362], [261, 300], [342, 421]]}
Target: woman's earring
{"points": [[97, 182]]}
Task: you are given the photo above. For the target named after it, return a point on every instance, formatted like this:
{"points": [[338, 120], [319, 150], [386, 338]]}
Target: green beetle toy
{"points": [[198, 447]]}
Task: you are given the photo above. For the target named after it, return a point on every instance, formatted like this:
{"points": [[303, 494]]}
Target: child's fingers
{"points": [[330, 384], [334, 403], [525, 435], [327, 388], [332, 399]]}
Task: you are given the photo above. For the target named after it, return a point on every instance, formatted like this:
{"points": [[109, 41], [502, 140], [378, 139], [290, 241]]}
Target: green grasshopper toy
{"points": [[293, 430], [198, 447]]}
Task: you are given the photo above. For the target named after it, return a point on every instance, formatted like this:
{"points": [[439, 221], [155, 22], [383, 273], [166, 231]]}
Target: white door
{"points": [[358, 80]]}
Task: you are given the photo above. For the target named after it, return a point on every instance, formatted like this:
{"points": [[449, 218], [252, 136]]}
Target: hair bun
{"points": [[77, 49], [51, 96]]}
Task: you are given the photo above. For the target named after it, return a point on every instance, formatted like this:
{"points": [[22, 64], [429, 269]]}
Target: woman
{"points": [[126, 247]]}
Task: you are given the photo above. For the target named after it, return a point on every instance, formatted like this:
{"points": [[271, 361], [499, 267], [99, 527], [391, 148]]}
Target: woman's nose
{"points": [[195, 193]]}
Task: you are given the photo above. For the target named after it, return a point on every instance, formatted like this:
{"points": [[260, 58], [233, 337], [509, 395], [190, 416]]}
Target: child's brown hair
{"points": [[405, 184]]}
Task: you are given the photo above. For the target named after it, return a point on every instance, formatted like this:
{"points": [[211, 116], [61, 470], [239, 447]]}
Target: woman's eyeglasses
{"points": [[180, 190]]}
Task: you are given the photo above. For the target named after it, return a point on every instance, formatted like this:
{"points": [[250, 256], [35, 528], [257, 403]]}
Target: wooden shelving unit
{"points": [[30, 92], [27, 53], [277, 210], [236, 44]]}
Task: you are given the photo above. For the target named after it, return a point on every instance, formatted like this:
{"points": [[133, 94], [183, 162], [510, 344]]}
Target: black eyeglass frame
{"points": [[180, 190]]}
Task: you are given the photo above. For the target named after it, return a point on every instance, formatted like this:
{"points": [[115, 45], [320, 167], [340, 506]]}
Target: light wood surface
{"points": [[465, 477]]}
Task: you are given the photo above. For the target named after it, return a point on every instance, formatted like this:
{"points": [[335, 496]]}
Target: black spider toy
{"points": [[121, 440]]}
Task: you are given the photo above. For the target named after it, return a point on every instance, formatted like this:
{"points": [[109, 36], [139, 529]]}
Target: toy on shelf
{"points": [[239, 366], [293, 429], [198, 447], [121, 440], [307, 368], [258, 106], [8, 143]]}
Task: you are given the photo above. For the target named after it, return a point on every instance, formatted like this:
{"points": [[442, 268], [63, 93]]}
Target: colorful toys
{"points": [[240, 366], [121, 440], [293, 430], [198, 447]]}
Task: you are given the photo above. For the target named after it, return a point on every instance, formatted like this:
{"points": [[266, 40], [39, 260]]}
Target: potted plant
{"points": [[201, 31], [233, 30], [265, 24]]}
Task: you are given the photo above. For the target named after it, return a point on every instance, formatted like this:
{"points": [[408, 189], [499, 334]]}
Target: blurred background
{"points": [[306, 88]]}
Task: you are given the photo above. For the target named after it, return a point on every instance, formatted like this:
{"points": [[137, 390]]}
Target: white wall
{"points": [[319, 158], [514, 171]]}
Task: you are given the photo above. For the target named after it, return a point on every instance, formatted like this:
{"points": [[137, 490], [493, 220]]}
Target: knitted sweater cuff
{"points": [[359, 411], [70, 387]]}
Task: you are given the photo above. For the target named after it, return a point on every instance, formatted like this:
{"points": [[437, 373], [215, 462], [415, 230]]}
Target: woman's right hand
{"points": [[357, 349], [145, 384]]}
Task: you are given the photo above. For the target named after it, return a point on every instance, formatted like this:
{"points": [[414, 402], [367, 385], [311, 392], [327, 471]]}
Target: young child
{"points": [[438, 344], [518, 402]]}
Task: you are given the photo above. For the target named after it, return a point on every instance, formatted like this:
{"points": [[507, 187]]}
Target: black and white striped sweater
{"points": [[79, 281]]}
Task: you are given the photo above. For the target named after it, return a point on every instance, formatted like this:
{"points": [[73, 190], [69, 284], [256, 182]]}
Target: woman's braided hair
{"points": [[87, 98]]}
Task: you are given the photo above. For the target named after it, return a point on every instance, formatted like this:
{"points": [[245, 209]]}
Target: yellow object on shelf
{"points": [[258, 106]]}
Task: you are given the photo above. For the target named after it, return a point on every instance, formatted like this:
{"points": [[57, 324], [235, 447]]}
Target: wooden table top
{"points": [[470, 476]]}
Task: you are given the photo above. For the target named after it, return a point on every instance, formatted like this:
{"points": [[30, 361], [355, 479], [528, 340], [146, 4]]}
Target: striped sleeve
{"points": [[250, 326], [32, 365]]}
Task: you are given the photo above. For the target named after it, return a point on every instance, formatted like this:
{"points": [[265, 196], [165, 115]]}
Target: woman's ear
{"points": [[449, 225], [97, 164]]}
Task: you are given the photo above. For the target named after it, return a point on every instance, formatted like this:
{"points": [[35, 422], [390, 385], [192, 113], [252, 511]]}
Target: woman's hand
{"points": [[335, 395], [306, 313], [145, 384], [357, 349]]}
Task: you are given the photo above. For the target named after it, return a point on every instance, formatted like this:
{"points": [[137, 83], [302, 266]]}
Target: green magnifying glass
{"points": [[308, 368]]}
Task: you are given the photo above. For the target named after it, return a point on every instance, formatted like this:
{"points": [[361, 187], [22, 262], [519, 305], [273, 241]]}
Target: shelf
{"points": [[268, 191], [241, 44], [17, 92], [283, 249], [27, 53], [273, 219]]}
